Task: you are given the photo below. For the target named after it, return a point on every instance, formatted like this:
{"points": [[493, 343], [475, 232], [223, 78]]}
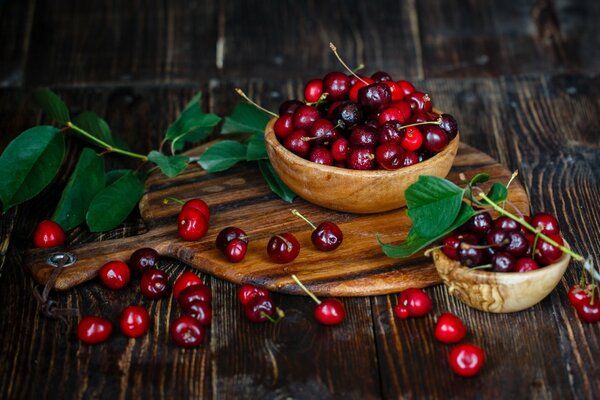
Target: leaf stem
{"points": [[308, 292], [245, 97], [522, 221], [105, 145]]}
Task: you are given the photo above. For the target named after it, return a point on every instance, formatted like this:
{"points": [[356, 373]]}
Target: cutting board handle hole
{"points": [[57, 258]]}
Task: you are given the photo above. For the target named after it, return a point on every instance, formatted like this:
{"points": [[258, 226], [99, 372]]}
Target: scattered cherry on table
{"points": [[134, 321], [93, 329], [187, 332], [154, 283], [115, 274], [466, 359], [48, 234]]}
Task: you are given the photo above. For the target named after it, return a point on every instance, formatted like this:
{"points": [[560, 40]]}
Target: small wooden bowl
{"points": [[343, 189], [499, 292]]}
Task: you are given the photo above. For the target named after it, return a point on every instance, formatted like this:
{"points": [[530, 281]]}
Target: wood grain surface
{"points": [[516, 95]]}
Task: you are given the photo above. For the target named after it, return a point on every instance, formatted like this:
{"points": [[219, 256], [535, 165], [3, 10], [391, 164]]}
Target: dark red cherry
{"points": [[361, 158], [236, 250], [404, 109], [134, 321], [337, 85], [305, 116], [546, 253], [452, 244], [419, 101], [517, 244], [247, 292], [422, 117], [227, 234], [313, 90], [327, 236], [357, 86], [184, 281], [187, 332], [470, 256], [283, 126], [330, 312], [390, 133], [191, 224], [375, 97], [449, 125], [588, 310], [347, 115], [340, 149], [154, 284], [201, 311], [297, 144], [320, 155], [406, 87], [389, 156], [144, 259], [526, 265], [289, 106], [381, 76], [497, 238], [466, 359], [506, 224], [410, 158], [283, 248], [363, 136], [546, 222], [449, 328], [434, 139], [480, 224], [194, 293], [322, 132], [503, 261], [259, 309], [48, 234]]}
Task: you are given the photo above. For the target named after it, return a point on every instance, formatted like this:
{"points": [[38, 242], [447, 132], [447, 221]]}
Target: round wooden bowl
{"points": [[499, 292], [348, 190]]}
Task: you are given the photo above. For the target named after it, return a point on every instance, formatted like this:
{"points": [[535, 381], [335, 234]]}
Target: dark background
{"points": [[522, 79]]}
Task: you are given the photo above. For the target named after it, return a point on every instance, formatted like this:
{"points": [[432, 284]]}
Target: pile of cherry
{"points": [[363, 123]]}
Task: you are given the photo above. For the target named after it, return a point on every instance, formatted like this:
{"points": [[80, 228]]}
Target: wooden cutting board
{"points": [[239, 197]]}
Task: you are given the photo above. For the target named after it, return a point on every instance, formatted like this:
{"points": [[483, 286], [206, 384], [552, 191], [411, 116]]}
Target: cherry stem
{"points": [[359, 67], [288, 244], [243, 95], [482, 266], [280, 315], [308, 292], [436, 122], [334, 49], [297, 214], [522, 221], [175, 199]]}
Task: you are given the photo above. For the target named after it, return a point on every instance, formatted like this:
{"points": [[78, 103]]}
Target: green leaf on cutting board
{"points": [[245, 118], [169, 165], [222, 155]]}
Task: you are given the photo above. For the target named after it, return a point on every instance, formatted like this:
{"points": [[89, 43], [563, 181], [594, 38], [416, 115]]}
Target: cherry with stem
{"points": [[329, 311]]}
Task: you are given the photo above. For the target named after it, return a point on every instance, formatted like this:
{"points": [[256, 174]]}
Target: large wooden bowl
{"points": [[343, 189], [499, 292]]}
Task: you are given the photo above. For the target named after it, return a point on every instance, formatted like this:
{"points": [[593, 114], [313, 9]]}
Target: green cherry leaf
{"points": [[92, 123], [111, 176], [479, 178], [274, 181], [169, 165], [433, 204], [52, 105], [414, 242], [222, 155], [192, 125], [29, 163], [498, 193], [112, 205], [85, 182], [256, 148], [245, 118]]}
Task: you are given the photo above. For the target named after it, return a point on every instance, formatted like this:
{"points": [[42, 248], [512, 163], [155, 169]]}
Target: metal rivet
{"points": [[55, 259]]}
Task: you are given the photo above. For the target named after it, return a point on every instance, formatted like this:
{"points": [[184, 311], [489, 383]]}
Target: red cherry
{"points": [[192, 224], [405, 110], [588, 311], [340, 149], [134, 321], [115, 274], [390, 114], [330, 312], [466, 359], [357, 86], [577, 293], [283, 126], [401, 311], [194, 293], [295, 143], [546, 222], [93, 330], [247, 292], [283, 248], [397, 93], [305, 116], [259, 309], [313, 90], [199, 205], [337, 85], [154, 284], [236, 250], [413, 139], [526, 265], [450, 329], [452, 244], [144, 259], [185, 280], [201, 311], [227, 235], [419, 101], [416, 301], [389, 156], [327, 236], [406, 88], [48, 234], [545, 253], [187, 332]]}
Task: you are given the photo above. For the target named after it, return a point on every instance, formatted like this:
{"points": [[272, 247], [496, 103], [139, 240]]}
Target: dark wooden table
{"points": [[521, 78]]}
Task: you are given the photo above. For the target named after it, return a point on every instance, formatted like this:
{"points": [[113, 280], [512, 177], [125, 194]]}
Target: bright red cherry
{"points": [[134, 321], [357, 86], [194, 293], [154, 283], [361, 158], [397, 93], [192, 225], [283, 126], [391, 114], [201, 311], [313, 90], [405, 111], [144, 259], [283, 248], [48, 234], [545, 253], [187, 332], [330, 312], [115, 274], [450, 329], [401, 311], [546, 222], [452, 244], [466, 359], [526, 265], [588, 310], [416, 301], [321, 155], [340, 149], [412, 139], [185, 280], [93, 330], [199, 205], [247, 292], [236, 250], [336, 85], [406, 88], [578, 293], [305, 116]]}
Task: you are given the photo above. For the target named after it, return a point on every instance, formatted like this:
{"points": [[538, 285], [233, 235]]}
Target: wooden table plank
{"points": [[16, 18]]}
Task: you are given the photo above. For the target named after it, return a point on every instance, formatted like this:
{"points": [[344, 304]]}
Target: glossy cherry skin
{"points": [[134, 321], [390, 133], [381, 76], [187, 332], [247, 292], [330, 312], [401, 311], [48, 234], [503, 261], [410, 158], [412, 139], [479, 224], [545, 253], [375, 97], [340, 149], [506, 224], [391, 114], [227, 235], [588, 311], [389, 156], [191, 224], [517, 244], [236, 250], [577, 293], [546, 222], [289, 106], [283, 126], [526, 265], [93, 330], [449, 125], [258, 308], [283, 248], [406, 87], [327, 236], [186, 280], [337, 85], [466, 359], [320, 155], [322, 132], [452, 243], [470, 256], [419, 101], [450, 329], [347, 115], [313, 90], [305, 116], [199, 205], [194, 293], [143, 259], [363, 136], [405, 111], [416, 301], [154, 284], [201, 311], [361, 158], [115, 274], [434, 139], [296, 143]]}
